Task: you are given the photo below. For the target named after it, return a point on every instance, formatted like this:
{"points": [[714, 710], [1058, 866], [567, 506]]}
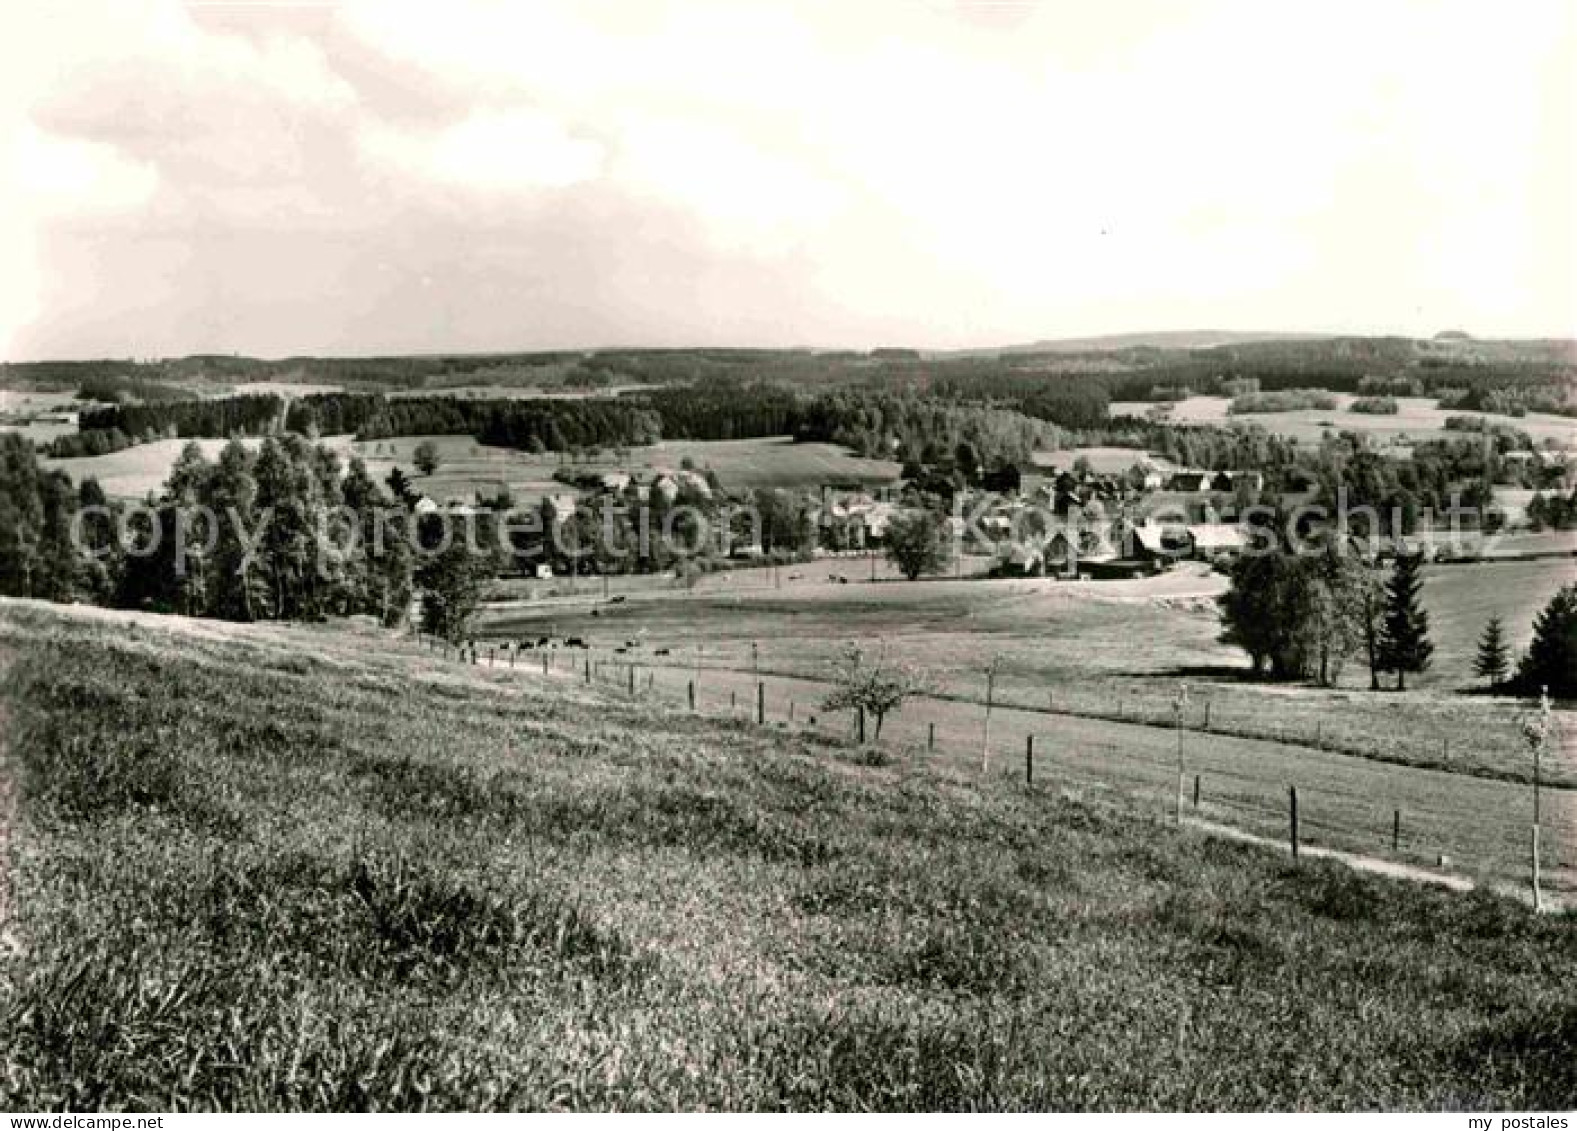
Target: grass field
{"points": [[1107, 649], [134, 472], [1417, 418], [22, 405], [272, 867], [1462, 598], [1103, 461], [468, 467], [776, 461]]}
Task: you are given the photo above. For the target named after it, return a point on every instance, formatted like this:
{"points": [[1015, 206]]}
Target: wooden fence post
{"points": [[1196, 791], [588, 669], [1207, 714], [861, 718], [1029, 760], [544, 663], [690, 690], [930, 737], [1292, 808], [632, 679], [1396, 829], [985, 732], [761, 703], [1538, 894]]}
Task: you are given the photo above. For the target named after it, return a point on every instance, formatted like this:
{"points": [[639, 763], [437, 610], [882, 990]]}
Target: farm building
{"points": [[1020, 559], [1149, 542], [1211, 540]]}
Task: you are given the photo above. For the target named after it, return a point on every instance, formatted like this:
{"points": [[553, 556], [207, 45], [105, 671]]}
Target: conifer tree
{"points": [[1492, 661], [1551, 661], [1404, 643]]}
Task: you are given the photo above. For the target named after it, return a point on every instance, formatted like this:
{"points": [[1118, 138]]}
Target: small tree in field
{"points": [[1404, 643], [917, 543], [426, 457], [872, 683], [1493, 660]]}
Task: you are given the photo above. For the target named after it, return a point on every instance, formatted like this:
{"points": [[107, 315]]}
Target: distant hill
{"points": [[1157, 339]]}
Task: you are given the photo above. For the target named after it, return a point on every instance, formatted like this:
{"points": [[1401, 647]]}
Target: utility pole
{"points": [[1179, 706], [1538, 729], [985, 734]]}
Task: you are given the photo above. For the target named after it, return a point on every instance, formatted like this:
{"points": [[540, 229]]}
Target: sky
{"points": [[386, 177]]}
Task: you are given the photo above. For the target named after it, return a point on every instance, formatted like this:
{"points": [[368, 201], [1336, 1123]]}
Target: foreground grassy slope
{"points": [[284, 868]]}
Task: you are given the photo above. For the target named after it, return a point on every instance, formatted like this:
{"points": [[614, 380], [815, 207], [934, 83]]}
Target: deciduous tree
{"points": [[917, 543]]}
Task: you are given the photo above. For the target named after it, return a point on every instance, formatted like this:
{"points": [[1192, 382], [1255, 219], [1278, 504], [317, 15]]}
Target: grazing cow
{"points": [[544, 641], [662, 652]]}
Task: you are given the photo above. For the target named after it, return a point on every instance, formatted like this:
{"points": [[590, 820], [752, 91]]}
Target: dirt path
{"points": [[1361, 863]]}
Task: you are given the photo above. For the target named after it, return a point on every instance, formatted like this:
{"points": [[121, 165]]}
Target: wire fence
{"points": [[1422, 821]]}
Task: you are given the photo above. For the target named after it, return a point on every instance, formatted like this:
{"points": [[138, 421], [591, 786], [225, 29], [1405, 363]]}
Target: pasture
{"points": [[20, 408], [468, 467], [1113, 650], [135, 472], [1462, 598], [394, 881], [1103, 461], [1417, 418]]}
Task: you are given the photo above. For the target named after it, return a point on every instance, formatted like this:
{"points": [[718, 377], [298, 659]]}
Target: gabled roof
{"points": [[1148, 534], [1217, 536]]}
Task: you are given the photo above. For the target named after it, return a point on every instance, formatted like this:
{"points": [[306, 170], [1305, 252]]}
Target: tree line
{"points": [[1305, 616]]}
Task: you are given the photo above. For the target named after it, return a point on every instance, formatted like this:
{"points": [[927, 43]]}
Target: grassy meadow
{"points": [[468, 467], [1416, 418], [1118, 650], [276, 867]]}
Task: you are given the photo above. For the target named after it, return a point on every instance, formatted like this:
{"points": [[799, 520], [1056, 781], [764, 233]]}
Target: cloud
{"points": [[73, 177], [729, 170], [746, 195], [490, 150]]}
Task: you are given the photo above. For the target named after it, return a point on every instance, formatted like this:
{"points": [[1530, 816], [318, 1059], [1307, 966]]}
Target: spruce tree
{"points": [[1404, 644], [1552, 657], [1492, 661]]}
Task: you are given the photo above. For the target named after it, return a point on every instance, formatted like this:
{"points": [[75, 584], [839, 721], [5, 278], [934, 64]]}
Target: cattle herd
{"points": [[527, 644]]}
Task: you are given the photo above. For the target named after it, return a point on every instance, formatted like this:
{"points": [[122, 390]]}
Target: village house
{"points": [[1213, 541]]}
